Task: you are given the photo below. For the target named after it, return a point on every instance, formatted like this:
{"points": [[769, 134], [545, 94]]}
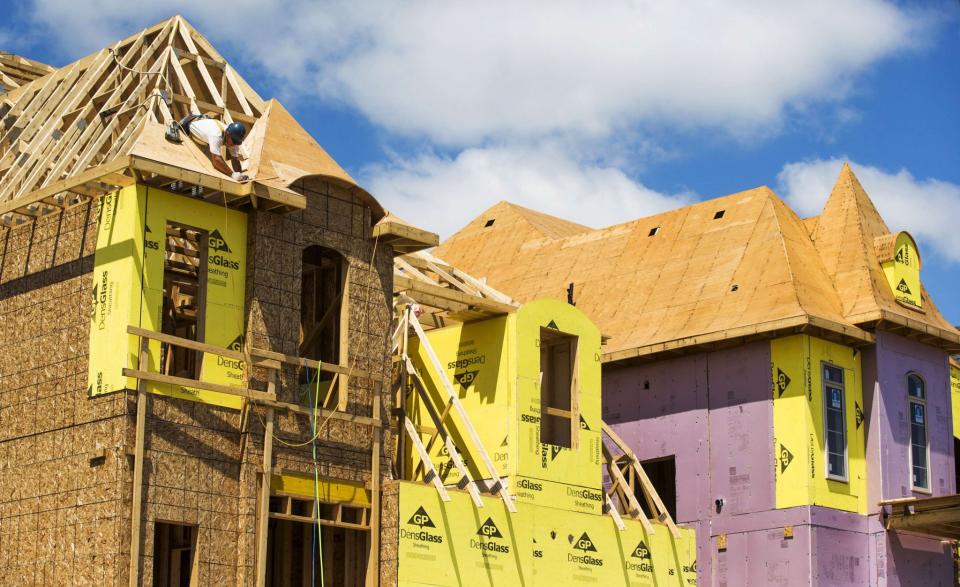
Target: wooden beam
{"points": [[498, 485], [321, 412], [185, 382], [442, 432], [636, 511], [412, 285], [373, 560], [316, 365], [431, 474], [648, 488], [263, 517], [64, 185], [137, 511]]}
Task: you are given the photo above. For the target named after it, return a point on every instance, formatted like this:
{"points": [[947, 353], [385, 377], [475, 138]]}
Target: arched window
{"points": [[919, 444]]}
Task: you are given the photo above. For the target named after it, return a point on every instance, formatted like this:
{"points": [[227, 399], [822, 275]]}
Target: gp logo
{"points": [[641, 551], [421, 519], [489, 529], [217, 242], [585, 544]]}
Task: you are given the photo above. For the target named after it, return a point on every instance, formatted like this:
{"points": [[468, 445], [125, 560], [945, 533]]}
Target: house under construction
{"points": [[207, 382], [784, 381]]}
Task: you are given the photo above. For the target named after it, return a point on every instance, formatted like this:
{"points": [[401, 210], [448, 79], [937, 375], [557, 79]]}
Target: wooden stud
{"points": [[138, 455], [264, 504]]}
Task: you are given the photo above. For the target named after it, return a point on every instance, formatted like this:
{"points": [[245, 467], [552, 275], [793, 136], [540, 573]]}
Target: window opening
{"points": [[719, 214], [663, 475], [919, 453], [321, 311], [654, 231], [291, 543], [834, 423], [559, 390], [489, 223], [174, 555], [184, 297]]}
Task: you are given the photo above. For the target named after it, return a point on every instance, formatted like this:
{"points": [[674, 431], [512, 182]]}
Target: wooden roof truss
{"points": [[16, 71], [66, 137], [444, 293]]}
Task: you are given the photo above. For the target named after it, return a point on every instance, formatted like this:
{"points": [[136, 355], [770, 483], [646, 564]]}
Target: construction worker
{"points": [[213, 133]]}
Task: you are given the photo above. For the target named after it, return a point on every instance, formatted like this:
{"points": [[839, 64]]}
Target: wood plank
{"points": [[373, 559], [263, 518], [137, 511], [321, 412], [316, 365], [636, 511], [432, 475], [442, 432], [409, 284], [498, 484], [184, 382]]}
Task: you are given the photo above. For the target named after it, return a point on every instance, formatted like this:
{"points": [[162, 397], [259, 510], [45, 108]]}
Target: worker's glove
{"points": [[237, 176]]}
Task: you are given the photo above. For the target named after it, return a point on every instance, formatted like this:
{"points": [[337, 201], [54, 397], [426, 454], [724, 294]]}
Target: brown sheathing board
{"points": [[845, 236], [696, 276], [63, 520], [340, 221], [63, 471]]}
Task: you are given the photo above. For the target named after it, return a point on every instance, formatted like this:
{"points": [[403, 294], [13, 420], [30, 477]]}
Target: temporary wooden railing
{"points": [[272, 362], [626, 476]]}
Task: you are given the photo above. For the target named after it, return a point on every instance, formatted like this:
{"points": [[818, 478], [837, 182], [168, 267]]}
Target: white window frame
{"points": [[845, 478], [911, 400]]}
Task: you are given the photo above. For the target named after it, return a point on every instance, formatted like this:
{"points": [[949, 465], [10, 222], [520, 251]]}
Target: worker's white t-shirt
{"points": [[210, 131]]}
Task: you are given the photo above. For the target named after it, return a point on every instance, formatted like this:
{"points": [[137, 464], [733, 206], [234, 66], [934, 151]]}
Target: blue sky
{"points": [[595, 112]]}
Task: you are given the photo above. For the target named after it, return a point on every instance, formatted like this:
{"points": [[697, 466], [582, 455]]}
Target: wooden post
{"points": [[373, 561], [136, 512], [263, 514]]}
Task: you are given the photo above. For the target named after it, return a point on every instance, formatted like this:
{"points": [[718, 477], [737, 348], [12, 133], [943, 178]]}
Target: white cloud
{"points": [[927, 208], [462, 73], [443, 194]]}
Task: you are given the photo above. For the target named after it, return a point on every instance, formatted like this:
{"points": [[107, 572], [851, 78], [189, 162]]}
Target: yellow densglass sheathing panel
{"points": [[495, 367], [457, 544], [327, 490], [128, 288], [798, 420], [226, 272], [955, 398], [546, 465], [476, 360], [903, 271], [116, 290]]}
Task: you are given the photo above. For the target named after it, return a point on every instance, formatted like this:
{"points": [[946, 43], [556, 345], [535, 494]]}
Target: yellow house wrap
{"points": [[456, 544], [797, 364], [128, 288], [495, 365]]}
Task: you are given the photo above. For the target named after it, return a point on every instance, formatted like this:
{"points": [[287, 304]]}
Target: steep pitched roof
{"points": [[719, 269], [847, 234], [98, 123]]}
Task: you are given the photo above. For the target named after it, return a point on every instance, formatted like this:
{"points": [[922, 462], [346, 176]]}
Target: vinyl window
{"points": [[834, 422], [919, 443]]}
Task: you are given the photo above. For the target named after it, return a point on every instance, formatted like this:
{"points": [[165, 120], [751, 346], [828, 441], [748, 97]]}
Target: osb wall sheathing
{"points": [[62, 463], [336, 219], [65, 476]]}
